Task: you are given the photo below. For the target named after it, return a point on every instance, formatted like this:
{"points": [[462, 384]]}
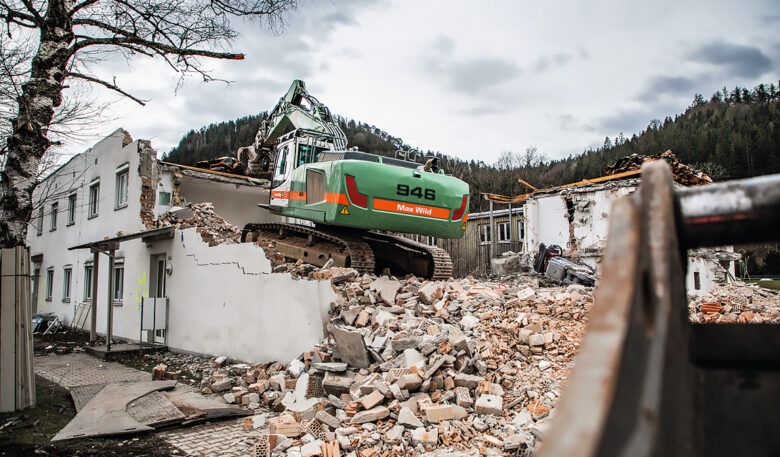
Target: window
{"points": [[119, 279], [484, 233], [120, 200], [66, 283], [163, 198], [503, 232], [39, 229], [54, 208], [49, 283], [87, 282], [94, 198], [71, 209], [521, 234]]}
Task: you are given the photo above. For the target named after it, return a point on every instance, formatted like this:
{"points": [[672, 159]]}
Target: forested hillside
{"points": [[735, 134]]}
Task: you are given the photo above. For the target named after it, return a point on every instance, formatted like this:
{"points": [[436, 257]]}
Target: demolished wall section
{"points": [[239, 308]]}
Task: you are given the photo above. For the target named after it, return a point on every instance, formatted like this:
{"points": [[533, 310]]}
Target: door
{"points": [[284, 163], [155, 312]]}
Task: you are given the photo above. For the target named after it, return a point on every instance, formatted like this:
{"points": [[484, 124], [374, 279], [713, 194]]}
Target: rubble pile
{"points": [[736, 302], [682, 173], [212, 228], [411, 366]]}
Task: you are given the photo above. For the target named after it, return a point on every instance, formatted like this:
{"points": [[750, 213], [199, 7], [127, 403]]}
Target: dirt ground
{"points": [[28, 432]]}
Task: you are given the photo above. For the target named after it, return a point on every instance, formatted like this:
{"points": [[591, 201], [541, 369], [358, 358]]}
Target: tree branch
{"points": [[108, 85], [82, 5], [160, 48], [37, 19]]}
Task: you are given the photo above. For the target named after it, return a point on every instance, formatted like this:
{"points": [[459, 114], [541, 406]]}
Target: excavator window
{"points": [[282, 167], [308, 154]]}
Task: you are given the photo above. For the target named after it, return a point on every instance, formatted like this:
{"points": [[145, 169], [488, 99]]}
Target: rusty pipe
{"points": [[735, 212]]}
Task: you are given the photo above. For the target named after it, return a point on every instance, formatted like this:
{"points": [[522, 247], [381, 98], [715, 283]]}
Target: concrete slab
{"points": [[155, 410], [106, 413], [350, 345], [197, 408], [122, 350], [83, 394]]}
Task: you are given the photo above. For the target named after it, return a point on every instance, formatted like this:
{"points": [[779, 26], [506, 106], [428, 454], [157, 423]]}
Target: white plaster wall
{"points": [[591, 225], [546, 222], [224, 300], [235, 203], [101, 161]]}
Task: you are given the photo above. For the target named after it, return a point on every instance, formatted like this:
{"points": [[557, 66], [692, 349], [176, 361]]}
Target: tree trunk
{"points": [[28, 142]]}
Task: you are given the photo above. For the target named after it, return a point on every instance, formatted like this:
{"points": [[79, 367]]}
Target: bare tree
{"points": [[73, 37], [532, 157]]}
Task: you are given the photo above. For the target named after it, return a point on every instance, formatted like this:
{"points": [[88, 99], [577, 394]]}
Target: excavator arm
{"points": [[299, 110]]}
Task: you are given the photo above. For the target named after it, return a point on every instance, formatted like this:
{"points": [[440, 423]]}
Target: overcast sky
{"points": [[474, 79]]}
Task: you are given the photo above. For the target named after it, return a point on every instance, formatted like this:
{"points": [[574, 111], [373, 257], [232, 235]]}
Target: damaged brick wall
{"points": [[147, 170]]}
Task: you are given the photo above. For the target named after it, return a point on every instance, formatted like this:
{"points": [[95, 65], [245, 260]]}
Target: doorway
{"points": [[154, 322]]}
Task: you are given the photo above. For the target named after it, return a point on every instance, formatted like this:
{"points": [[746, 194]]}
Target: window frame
{"points": [[521, 234], [485, 233], [504, 233], [93, 207], [72, 199], [121, 190], [55, 208], [67, 277], [49, 283], [118, 284], [39, 228], [89, 276]]}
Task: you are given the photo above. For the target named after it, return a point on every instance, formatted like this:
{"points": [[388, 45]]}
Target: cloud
{"points": [[770, 19], [443, 44], [660, 86], [737, 60], [484, 111], [634, 120], [555, 60], [477, 74]]}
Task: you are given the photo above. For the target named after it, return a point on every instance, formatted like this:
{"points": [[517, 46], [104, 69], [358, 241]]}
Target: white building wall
{"points": [[546, 222], [98, 164], [237, 205], [223, 299]]}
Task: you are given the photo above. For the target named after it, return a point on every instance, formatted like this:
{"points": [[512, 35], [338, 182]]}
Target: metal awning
{"points": [[147, 236]]}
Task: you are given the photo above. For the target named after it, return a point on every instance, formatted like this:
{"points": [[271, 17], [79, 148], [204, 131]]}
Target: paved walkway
{"points": [[217, 439]]}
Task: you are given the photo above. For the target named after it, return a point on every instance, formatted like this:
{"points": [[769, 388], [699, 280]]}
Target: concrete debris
{"points": [[736, 302], [212, 228], [411, 366], [430, 382], [681, 172]]}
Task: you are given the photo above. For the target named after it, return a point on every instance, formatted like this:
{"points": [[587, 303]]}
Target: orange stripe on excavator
{"points": [[338, 199], [411, 209], [288, 195]]}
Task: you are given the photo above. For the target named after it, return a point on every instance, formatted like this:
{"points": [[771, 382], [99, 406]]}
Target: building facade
{"points": [[165, 285]]}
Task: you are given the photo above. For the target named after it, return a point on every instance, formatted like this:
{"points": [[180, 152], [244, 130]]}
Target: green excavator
{"points": [[355, 200]]}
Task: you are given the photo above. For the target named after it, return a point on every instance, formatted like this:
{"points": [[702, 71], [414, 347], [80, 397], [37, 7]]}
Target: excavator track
{"points": [[314, 246], [410, 256], [367, 252]]}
